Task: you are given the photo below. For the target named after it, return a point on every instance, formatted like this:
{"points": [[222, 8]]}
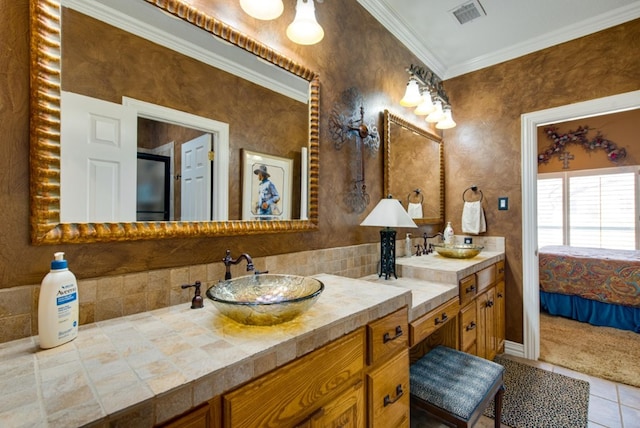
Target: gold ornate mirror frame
{"points": [[427, 154], [45, 80]]}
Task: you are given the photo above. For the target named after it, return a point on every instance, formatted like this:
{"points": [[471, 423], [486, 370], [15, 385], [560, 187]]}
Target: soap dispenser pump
{"points": [[407, 245]]}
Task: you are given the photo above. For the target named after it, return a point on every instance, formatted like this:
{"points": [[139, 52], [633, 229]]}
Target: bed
{"points": [[598, 286]]}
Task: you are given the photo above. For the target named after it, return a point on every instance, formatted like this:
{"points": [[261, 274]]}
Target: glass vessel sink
{"points": [[265, 299], [458, 251]]}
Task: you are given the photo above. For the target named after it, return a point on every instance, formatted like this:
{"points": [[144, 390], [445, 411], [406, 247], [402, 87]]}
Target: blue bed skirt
{"points": [[591, 311]]}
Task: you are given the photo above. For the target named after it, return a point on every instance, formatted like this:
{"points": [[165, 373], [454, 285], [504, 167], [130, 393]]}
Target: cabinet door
{"points": [[346, 411], [198, 418], [500, 316], [486, 324], [388, 393], [468, 329]]}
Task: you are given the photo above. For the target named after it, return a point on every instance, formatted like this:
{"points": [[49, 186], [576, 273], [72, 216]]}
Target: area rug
{"points": [[604, 352], [536, 398]]}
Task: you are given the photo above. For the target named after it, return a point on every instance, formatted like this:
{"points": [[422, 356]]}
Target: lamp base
{"points": [[387, 253]]}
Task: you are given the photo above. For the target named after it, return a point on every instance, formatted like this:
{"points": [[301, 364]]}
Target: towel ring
{"points": [[473, 189], [418, 192]]}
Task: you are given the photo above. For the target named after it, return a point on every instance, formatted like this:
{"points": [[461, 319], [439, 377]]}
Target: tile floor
{"points": [[611, 405]]}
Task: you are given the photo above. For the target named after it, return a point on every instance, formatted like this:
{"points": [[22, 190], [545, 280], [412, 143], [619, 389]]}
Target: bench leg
{"points": [[497, 404]]}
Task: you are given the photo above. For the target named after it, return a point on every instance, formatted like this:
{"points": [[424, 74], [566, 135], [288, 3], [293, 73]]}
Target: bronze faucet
{"points": [[228, 261]]}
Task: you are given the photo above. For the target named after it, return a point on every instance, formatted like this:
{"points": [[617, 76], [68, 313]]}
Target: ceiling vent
{"points": [[468, 11]]}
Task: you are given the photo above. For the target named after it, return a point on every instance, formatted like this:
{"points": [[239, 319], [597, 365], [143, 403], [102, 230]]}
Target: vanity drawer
{"points": [[499, 270], [468, 328], [298, 388], [467, 289], [387, 335], [485, 277], [430, 322], [388, 393]]}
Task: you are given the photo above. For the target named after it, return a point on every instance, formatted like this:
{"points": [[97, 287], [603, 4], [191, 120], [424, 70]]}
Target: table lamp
{"points": [[388, 214]]}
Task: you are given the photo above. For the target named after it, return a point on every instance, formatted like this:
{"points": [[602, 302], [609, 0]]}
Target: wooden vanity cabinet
{"points": [[387, 372], [207, 415], [360, 380], [482, 329]]}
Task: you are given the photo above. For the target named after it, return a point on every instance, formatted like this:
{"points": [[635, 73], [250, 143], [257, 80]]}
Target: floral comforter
{"points": [[609, 276]]}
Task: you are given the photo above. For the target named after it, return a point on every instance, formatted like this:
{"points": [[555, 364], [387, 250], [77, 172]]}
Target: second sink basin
{"points": [[458, 251], [265, 299]]}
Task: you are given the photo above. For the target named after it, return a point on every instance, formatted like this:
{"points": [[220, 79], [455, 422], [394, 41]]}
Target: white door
{"points": [[195, 190], [98, 160]]}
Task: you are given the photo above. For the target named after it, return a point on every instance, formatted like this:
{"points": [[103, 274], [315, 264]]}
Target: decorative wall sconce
{"points": [[304, 29], [349, 125], [426, 93]]}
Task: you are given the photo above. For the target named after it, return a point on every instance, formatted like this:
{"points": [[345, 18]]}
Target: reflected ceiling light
{"points": [[426, 92], [304, 29], [447, 122], [263, 9], [412, 95]]}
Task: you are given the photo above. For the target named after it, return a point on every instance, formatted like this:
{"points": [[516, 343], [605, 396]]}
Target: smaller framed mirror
{"points": [[414, 169]]}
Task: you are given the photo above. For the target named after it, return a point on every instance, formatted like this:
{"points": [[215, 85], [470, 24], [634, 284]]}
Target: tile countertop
{"points": [[436, 268], [146, 368]]}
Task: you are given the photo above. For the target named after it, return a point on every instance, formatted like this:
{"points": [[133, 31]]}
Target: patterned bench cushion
{"points": [[452, 380]]}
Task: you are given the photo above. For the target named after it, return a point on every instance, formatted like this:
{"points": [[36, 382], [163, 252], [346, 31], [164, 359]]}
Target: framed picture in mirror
{"points": [[266, 186]]}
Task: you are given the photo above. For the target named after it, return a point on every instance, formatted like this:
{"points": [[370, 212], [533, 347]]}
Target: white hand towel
{"points": [[473, 220], [414, 210]]}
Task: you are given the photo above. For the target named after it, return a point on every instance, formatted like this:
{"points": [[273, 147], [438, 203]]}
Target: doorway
{"points": [[529, 124]]}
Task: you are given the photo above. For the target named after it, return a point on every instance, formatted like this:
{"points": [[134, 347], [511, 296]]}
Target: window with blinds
{"points": [[594, 208]]}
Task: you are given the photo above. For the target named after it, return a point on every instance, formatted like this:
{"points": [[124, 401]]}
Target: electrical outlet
{"points": [[468, 240], [503, 203]]}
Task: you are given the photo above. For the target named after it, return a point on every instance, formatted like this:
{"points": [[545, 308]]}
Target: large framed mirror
{"points": [[157, 60], [414, 169]]}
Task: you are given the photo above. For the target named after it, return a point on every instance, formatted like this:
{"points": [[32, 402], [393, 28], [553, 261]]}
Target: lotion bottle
{"points": [[58, 305], [407, 245], [448, 234]]}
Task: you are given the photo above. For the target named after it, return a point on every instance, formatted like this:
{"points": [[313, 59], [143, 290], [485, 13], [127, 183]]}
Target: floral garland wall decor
{"points": [[579, 136]]}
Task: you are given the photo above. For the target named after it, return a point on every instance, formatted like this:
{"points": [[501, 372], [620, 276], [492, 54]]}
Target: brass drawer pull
{"points": [[386, 338], [443, 319], [470, 289], [471, 326], [399, 393]]}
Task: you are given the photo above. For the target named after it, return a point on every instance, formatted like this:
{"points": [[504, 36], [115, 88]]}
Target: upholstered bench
{"points": [[456, 387]]}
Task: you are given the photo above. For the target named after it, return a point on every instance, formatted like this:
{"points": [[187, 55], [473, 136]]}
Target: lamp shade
{"points": [[262, 9], [447, 122], [388, 213], [305, 30], [437, 115], [412, 95], [426, 105]]}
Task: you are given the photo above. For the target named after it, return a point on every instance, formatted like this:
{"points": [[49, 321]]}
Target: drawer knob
{"points": [[387, 338], [443, 319], [489, 303], [471, 326], [399, 393], [470, 289], [500, 295]]}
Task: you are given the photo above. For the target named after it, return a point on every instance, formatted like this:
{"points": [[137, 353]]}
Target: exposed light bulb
{"points": [[304, 29], [412, 95], [262, 9], [447, 122]]}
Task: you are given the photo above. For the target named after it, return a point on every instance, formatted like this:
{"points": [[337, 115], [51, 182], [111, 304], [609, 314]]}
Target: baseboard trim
{"points": [[513, 348]]}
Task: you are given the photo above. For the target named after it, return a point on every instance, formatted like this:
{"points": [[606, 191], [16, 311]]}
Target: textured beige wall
{"points": [[357, 52]]}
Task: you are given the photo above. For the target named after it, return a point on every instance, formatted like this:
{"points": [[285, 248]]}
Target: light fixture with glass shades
{"points": [[389, 213], [426, 93], [265, 10], [304, 30]]}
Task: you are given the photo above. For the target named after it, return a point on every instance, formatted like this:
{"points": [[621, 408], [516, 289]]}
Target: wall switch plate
{"points": [[503, 203], [468, 240]]}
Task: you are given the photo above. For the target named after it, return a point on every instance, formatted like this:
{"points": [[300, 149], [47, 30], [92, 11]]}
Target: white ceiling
{"points": [[511, 28]]}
